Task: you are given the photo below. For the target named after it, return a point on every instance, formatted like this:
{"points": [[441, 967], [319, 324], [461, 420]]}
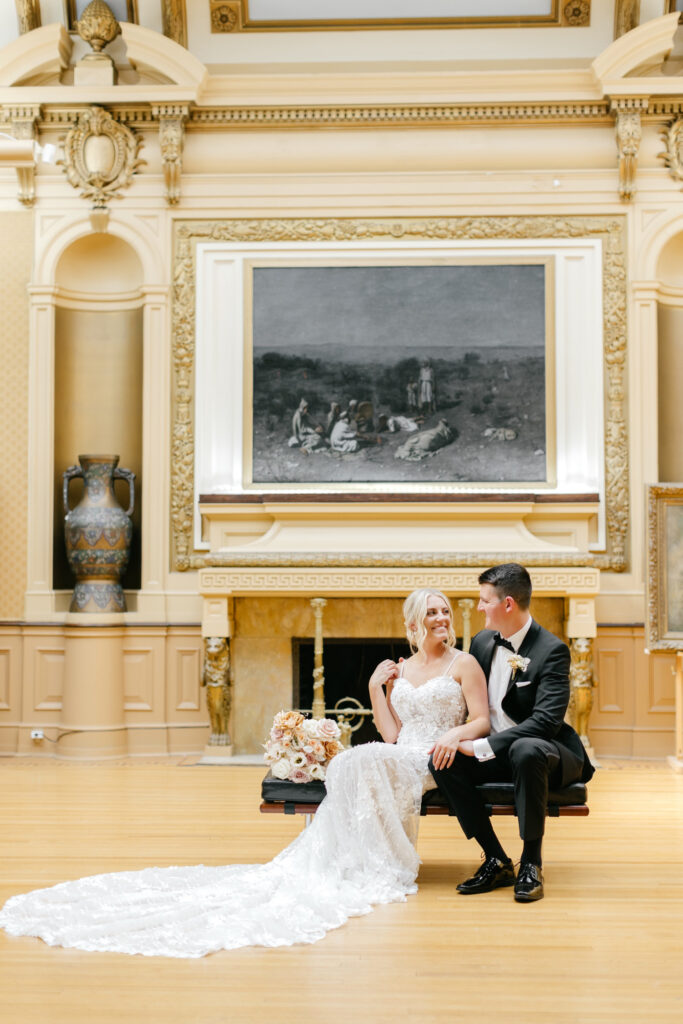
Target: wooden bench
{"points": [[283, 797]]}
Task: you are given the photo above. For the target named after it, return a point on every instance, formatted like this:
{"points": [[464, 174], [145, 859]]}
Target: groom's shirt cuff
{"points": [[482, 750]]}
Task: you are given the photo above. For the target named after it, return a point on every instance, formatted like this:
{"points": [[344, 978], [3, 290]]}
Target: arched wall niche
{"points": [[669, 270], [62, 233], [99, 264], [98, 376], [98, 288]]}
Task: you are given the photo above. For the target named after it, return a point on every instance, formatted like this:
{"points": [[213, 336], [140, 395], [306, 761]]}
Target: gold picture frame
{"points": [[236, 16], [191, 233], [665, 566]]}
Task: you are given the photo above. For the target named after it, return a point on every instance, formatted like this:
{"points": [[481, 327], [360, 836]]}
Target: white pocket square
{"points": [[522, 682]]}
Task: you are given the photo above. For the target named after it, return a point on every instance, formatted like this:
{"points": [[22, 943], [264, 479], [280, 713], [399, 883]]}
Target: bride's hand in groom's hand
{"points": [[383, 674]]}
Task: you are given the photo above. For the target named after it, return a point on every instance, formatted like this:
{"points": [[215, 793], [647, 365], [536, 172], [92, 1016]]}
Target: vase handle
{"points": [[68, 475], [129, 476]]}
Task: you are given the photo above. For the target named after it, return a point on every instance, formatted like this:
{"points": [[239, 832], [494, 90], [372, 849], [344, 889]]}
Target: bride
{"points": [[359, 850]]}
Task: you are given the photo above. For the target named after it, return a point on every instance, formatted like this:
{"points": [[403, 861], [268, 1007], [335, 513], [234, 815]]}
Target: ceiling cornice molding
{"points": [[269, 117], [394, 115]]}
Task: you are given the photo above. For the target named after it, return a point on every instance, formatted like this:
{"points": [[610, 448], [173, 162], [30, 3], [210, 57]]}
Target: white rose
{"points": [[281, 769]]}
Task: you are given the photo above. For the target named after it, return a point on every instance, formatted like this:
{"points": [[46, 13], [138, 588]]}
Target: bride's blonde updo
{"points": [[415, 613]]}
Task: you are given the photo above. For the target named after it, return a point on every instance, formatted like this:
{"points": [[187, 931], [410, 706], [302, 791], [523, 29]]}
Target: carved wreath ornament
{"points": [[100, 155], [673, 157]]}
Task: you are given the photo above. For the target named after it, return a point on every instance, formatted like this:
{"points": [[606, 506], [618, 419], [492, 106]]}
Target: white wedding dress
{"points": [[358, 851]]}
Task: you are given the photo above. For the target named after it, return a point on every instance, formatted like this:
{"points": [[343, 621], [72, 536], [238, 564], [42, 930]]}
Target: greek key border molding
{"points": [[188, 233], [214, 582]]}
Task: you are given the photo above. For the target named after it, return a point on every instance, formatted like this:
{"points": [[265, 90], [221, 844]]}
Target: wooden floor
{"points": [[605, 945]]}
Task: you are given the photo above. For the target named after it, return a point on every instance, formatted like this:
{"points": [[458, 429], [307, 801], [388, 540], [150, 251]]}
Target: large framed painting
{"points": [[410, 372], [665, 566], [360, 362]]}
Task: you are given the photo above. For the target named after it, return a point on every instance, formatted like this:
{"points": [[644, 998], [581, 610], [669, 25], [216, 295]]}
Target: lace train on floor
{"points": [[359, 851]]}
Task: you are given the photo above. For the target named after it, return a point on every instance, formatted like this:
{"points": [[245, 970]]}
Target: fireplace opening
{"points": [[348, 667]]}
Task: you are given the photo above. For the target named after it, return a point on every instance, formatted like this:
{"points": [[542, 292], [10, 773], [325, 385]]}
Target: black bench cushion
{"points": [[504, 793], [277, 791]]}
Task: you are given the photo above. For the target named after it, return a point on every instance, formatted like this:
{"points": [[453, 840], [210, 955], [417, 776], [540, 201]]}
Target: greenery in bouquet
{"points": [[299, 749]]}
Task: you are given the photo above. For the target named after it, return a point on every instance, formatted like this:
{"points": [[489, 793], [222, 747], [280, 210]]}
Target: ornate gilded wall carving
{"points": [[100, 155], [577, 13], [172, 117], [188, 233], [21, 122], [15, 273], [626, 16], [362, 559], [673, 154], [28, 15], [174, 20], [629, 132]]}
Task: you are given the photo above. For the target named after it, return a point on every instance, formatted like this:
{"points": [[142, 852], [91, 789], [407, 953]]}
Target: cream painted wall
{"points": [[16, 253]]}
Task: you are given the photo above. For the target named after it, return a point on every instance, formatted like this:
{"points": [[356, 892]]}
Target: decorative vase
{"points": [[98, 534]]}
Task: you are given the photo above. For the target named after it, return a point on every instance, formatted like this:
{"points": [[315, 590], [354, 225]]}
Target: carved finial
{"points": [[97, 26]]}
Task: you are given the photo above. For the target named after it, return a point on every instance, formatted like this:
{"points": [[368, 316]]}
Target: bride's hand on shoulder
{"points": [[385, 673]]}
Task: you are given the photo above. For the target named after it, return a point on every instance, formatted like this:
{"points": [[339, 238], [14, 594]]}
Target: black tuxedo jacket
{"points": [[537, 697]]}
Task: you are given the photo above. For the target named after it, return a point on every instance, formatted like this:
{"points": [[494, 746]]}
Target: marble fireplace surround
{"points": [[269, 557]]}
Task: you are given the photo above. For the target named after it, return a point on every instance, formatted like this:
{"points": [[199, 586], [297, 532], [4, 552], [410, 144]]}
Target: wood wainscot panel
{"points": [[653, 733], [144, 672], [10, 688], [612, 718], [43, 673], [184, 658], [633, 712], [10, 672]]}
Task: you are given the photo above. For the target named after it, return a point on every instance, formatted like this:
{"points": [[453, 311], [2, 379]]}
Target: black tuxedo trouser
{"points": [[531, 763]]}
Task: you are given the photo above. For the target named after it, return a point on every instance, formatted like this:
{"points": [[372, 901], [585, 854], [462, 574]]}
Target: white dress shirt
{"points": [[499, 678]]}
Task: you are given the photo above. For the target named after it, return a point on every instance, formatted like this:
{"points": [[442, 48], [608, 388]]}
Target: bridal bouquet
{"points": [[299, 749]]}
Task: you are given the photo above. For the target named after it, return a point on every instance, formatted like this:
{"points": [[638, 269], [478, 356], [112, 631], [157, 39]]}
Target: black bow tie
{"points": [[500, 641]]}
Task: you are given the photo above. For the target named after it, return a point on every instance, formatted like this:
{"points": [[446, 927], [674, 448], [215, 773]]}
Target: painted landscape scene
{"points": [[399, 374]]}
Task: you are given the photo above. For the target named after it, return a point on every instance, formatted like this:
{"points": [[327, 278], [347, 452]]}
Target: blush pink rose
{"points": [[328, 730]]}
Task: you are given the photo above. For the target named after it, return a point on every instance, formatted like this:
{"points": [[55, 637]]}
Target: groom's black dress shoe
{"points": [[492, 874], [529, 884]]}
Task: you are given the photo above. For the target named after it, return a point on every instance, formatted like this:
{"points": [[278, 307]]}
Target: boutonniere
{"points": [[518, 664]]}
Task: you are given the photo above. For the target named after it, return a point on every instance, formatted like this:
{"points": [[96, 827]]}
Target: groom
{"points": [[527, 672]]}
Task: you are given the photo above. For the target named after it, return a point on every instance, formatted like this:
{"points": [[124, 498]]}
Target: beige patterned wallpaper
{"points": [[16, 253]]}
